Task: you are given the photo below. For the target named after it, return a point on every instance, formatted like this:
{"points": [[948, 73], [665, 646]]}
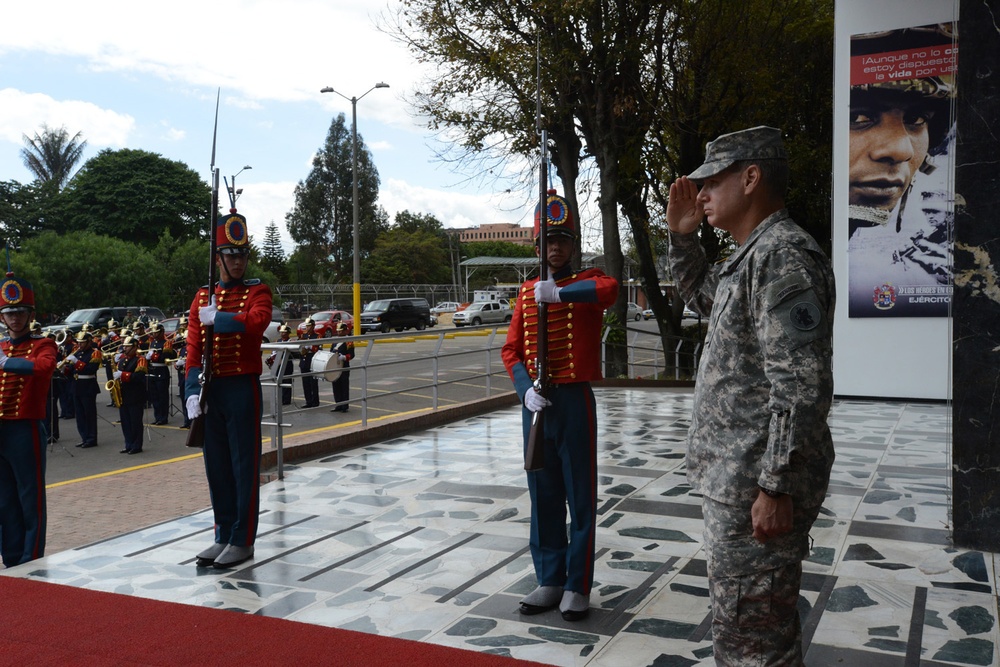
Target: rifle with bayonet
{"points": [[534, 453], [196, 434]]}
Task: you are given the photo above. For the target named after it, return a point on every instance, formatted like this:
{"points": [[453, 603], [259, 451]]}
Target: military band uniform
{"points": [[232, 447], [26, 366], [84, 369], [158, 356], [132, 376], [65, 384], [759, 425], [180, 345], [286, 384], [310, 383], [342, 385]]}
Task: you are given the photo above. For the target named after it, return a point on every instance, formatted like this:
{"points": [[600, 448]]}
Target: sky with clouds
{"points": [[145, 75]]}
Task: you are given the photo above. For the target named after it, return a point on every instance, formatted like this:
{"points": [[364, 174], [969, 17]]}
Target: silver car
{"points": [[483, 312]]}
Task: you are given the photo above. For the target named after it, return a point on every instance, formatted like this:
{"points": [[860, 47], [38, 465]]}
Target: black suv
{"points": [[387, 314], [98, 318]]}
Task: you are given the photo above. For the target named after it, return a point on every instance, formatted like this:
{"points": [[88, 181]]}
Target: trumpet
{"points": [[62, 364]]}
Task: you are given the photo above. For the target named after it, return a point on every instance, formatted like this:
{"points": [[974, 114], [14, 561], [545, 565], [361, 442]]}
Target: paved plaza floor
{"points": [[425, 537]]}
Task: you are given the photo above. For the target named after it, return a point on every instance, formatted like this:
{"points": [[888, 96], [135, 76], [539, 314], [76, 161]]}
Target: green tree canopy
{"points": [[402, 256], [84, 270], [137, 195], [25, 210]]}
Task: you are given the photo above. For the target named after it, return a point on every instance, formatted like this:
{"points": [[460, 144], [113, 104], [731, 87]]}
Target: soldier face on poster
{"points": [[901, 199]]}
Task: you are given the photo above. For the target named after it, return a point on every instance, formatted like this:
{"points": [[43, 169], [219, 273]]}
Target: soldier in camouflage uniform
{"points": [[759, 446]]}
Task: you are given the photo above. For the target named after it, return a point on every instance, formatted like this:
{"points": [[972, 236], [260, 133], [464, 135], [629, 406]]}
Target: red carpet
{"points": [[50, 624]]}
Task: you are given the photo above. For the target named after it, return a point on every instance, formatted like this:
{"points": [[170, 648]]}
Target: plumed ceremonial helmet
{"points": [[16, 294], [309, 322], [129, 341], [284, 328], [84, 335], [560, 218], [231, 234], [341, 326]]}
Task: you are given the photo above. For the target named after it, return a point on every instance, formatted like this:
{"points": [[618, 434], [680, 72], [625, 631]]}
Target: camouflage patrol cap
{"points": [[756, 143]]}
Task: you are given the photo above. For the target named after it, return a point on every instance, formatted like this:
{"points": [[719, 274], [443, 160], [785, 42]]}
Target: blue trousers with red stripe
{"points": [[569, 479], [22, 490], [232, 456]]}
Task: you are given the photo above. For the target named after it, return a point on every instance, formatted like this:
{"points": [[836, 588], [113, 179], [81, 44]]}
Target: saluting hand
{"points": [[684, 211]]}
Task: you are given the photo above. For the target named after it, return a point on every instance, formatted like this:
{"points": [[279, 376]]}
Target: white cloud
{"points": [[19, 110], [453, 209]]}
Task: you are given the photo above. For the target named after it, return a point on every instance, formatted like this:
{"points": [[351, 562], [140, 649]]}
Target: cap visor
{"points": [[710, 169]]}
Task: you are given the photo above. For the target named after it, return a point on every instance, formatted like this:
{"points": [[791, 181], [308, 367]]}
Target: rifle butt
{"points": [[196, 434], [534, 453]]}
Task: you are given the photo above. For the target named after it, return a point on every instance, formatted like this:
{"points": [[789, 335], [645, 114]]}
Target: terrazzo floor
{"points": [[425, 537]]}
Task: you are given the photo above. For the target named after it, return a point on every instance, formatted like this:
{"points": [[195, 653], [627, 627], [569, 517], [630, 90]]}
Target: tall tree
{"points": [[52, 154], [272, 254], [323, 215], [610, 71], [135, 195]]}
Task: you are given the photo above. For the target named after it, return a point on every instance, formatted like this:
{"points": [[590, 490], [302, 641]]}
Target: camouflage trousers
{"points": [[754, 587]]}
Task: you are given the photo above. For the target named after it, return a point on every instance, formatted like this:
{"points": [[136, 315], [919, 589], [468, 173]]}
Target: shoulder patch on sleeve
{"points": [[252, 281], [783, 288]]}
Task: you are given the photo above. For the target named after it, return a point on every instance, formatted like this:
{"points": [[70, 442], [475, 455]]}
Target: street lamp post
{"points": [[354, 175], [234, 194]]}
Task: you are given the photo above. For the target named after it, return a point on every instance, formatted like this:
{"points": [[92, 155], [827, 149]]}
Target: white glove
{"points": [[180, 363], [193, 405], [342, 357], [118, 358], [117, 375], [71, 358], [546, 291], [207, 313], [534, 401], [149, 355], [3, 358]]}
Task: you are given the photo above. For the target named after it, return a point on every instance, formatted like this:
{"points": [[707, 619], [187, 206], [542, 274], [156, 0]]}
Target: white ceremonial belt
{"points": [[154, 365], [86, 377]]}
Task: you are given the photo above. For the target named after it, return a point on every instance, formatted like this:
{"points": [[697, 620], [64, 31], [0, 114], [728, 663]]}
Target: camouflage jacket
{"points": [[765, 382]]}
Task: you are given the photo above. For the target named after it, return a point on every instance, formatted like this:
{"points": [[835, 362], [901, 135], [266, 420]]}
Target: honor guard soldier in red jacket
{"points": [[83, 365], [564, 568], [27, 362], [239, 310]]}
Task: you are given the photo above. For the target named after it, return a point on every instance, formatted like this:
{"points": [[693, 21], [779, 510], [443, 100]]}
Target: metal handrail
{"points": [[488, 353]]}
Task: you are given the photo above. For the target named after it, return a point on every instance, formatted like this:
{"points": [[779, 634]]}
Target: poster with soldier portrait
{"points": [[901, 202]]}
